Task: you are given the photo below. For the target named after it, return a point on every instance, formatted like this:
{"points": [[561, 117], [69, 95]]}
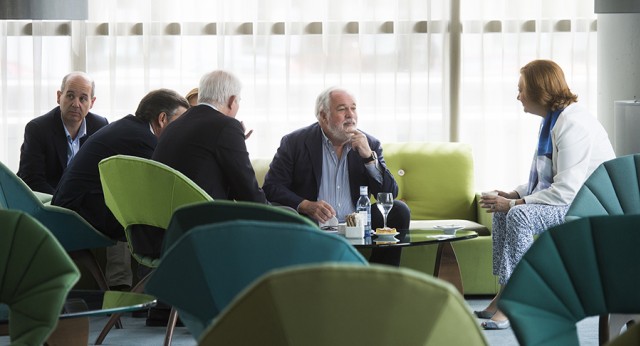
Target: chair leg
{"points": [[138, 288], [171, 325], [603, 329]]}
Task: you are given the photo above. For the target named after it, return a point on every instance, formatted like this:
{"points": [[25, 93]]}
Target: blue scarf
{"points": [[540, 175], [544, 141]]}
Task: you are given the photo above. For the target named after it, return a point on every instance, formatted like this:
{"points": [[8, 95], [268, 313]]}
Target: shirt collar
{"points": [[82, 131], [210, 105]]}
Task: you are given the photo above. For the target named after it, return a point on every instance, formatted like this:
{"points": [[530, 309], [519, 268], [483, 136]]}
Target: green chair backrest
{"points": [[586, 267], [71, 230], [190, 216], [35, 276], [210, 264], [612, 189], [330, 304], [440, 177], [141, 191]]}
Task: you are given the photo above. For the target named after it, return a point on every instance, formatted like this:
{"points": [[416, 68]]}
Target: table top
{"points": [[81, 303], [86, 303], [410, 238]]}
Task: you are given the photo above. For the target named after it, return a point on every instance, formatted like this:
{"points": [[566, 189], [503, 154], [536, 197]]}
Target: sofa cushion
{"points": [[482, 230], [435, 179], [260, 166]]}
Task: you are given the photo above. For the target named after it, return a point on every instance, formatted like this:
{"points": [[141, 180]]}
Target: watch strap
{"points": [[373, 156]]}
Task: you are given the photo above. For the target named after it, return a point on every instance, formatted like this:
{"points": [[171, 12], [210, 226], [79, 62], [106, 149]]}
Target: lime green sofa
{"points": [[436, 180]]}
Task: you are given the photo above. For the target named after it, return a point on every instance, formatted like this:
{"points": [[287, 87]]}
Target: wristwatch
{"points": [[373, 157], [512, 203]]}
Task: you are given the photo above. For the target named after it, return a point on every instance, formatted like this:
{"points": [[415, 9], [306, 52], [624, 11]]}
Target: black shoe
{"points": [[121, 288]]}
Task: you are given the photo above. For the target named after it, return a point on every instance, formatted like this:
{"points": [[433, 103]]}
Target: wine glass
{"points": [[384, 201]]}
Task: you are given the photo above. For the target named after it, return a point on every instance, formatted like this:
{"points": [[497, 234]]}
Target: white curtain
{"points": [[499, 37], [421, 70]]}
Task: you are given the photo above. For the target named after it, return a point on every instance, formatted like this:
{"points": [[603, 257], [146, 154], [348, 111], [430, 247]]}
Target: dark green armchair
{"points": [[586, 267], [612, 189], [35, 276]]}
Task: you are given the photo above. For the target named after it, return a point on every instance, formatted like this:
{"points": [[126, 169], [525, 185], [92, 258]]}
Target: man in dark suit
{"points": [[80, 188], [136, 135], [52, 140], [319, 169], [207, 143]]}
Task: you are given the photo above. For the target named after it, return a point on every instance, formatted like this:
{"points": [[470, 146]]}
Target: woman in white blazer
{"points": [[571, 144]]}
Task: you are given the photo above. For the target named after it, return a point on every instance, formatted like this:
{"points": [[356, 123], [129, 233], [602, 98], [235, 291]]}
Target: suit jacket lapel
{"points": [[353, 164], [59, 138], [314, 146]]}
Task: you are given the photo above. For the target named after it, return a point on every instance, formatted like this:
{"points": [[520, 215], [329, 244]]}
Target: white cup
{"points": [[490, 193], [342, 228], [354, 232]]}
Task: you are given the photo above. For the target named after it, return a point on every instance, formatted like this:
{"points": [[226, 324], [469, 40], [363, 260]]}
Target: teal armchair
{"points": [[612, 189], [586, 267], [211, 264], [75, 234], [189, 216]]}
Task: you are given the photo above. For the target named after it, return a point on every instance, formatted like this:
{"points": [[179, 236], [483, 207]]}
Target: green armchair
{"points": [[340, 304], [35, 276], [436, 180]]}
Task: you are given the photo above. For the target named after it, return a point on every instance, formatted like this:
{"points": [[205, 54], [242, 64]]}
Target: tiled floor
{"points": [[136, 333]]}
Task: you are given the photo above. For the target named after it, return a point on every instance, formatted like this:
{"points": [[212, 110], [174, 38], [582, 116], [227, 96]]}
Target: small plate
{"points": [[329, 229], [385, 235], [449, 229]]}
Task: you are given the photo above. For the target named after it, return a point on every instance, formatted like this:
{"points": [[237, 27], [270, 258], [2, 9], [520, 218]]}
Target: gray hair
{"points": [[217, 87], [79, 74], [323, 102]]}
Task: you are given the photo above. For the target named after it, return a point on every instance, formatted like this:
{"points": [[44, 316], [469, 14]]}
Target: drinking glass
{"points": [[384, 201]]}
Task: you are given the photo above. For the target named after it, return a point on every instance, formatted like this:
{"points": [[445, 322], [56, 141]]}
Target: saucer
{"points": [[386, 240], [449, 229], [441, 236]]}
